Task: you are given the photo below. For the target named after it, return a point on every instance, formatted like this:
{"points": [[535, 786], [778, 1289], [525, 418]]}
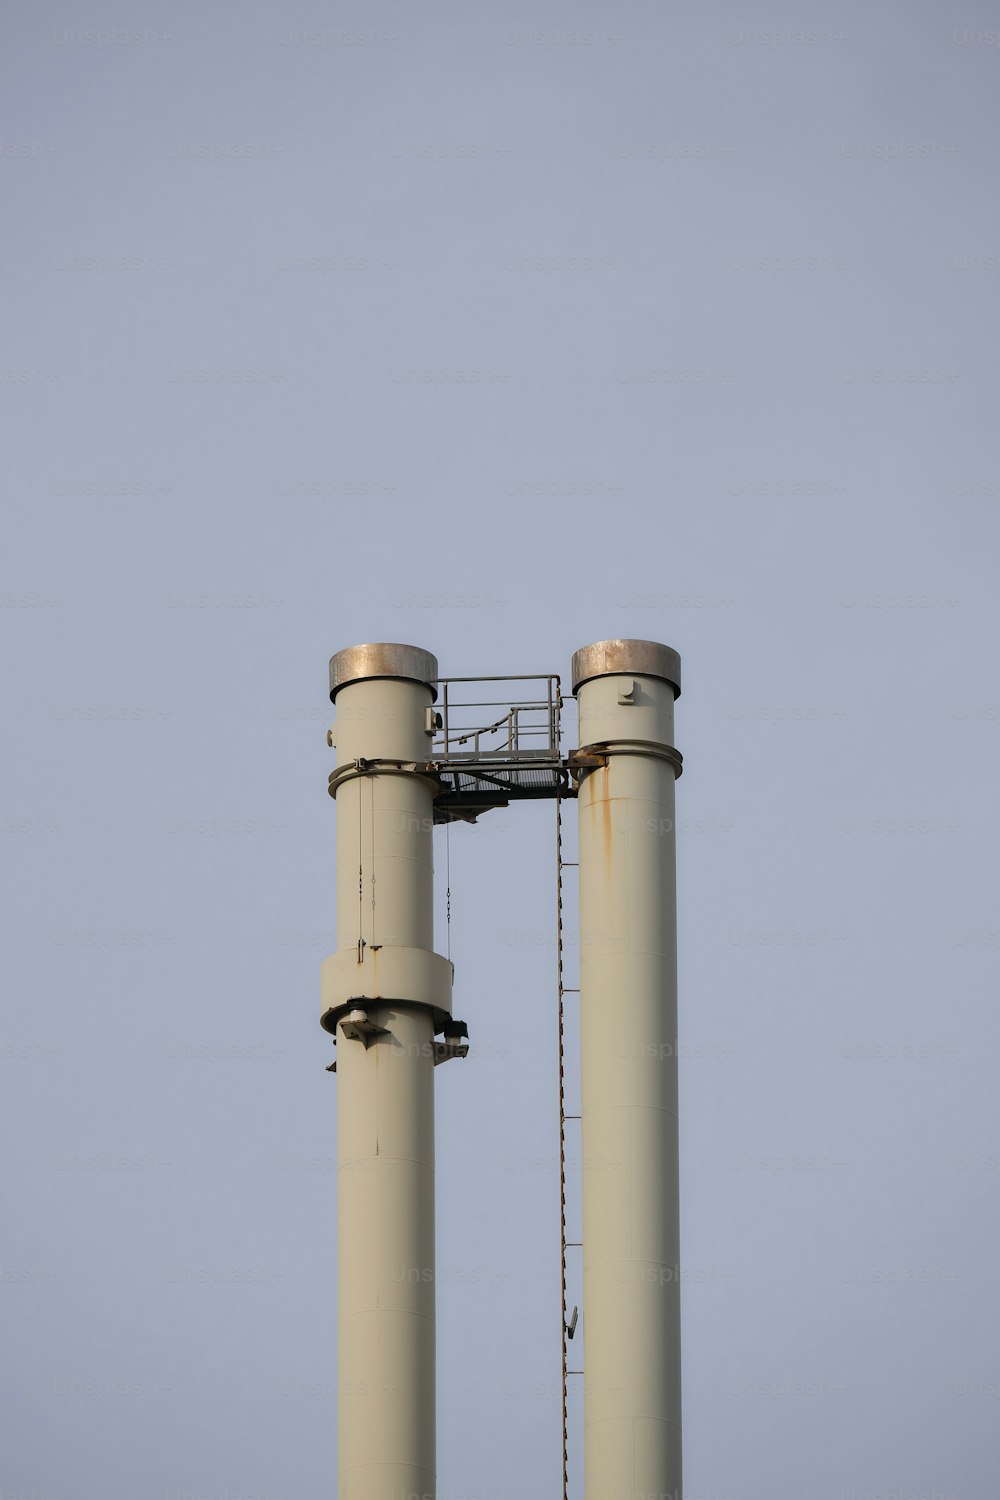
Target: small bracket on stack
{"points": [[455, 1042]]}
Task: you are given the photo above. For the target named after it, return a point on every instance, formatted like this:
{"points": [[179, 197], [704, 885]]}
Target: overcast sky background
{"points": [[706, 330]]}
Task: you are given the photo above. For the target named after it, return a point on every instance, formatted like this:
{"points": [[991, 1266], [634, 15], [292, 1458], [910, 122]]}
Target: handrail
{"points": [[525, 721]]}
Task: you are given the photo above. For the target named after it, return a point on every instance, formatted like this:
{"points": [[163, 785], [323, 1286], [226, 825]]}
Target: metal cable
{"points": [[361, 875], [372, 780], [447, 867]]}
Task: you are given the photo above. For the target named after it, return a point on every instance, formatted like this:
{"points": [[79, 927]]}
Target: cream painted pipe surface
{"points": [[385, 1096], [628, 1007]]}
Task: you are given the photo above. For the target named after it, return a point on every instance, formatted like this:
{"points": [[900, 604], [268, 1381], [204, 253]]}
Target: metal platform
{"points": [[492, 750]]}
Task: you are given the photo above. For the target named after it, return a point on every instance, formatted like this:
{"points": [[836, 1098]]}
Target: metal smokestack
{"points": [[385, 994], [628, 1031], [402, 766]]}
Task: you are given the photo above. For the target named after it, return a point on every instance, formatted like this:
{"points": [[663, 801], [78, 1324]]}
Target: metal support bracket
{"points": [[580, 761], [357, 1026], [445, 1050]]}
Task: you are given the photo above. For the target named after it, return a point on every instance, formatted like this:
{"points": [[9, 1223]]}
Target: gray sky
{"points": [[499, 346]]}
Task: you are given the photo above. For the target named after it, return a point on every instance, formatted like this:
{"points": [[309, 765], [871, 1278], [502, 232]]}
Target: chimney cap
{"points": [[627, 658], [382, 659]]}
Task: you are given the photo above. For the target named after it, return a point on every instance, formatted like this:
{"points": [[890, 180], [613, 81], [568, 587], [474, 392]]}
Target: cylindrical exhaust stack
{"points": [[385, 995], [628, 1042]]}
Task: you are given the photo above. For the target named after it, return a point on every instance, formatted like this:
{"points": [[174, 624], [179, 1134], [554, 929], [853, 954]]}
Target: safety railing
{"points": [[520, 725]]}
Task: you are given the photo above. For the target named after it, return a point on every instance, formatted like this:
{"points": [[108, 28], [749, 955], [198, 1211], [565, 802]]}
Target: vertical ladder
{"points": [[562, 1143], [563, 990]]}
